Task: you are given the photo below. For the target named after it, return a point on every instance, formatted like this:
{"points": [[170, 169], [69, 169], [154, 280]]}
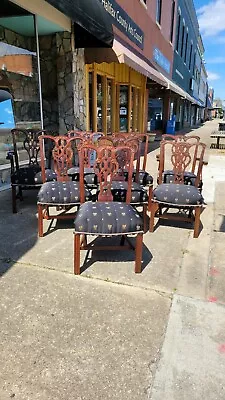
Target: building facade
{"points": [[188, 67], [79, 79]]}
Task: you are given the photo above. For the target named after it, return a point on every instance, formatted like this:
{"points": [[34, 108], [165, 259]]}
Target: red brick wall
{"points": [[154, 36]]}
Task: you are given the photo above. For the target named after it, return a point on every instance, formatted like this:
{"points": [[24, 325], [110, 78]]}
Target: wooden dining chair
{"points": [[106, 217], [178, 194], [63, 194], [25, 163]]}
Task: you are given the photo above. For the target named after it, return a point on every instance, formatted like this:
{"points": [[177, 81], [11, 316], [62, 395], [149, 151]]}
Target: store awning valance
{"points": [[92, 24], [125, 56]]}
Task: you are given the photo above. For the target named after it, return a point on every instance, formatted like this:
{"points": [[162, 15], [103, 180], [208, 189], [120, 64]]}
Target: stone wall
{"points": [[79, 89], [48, 57], [63, 83], [23, 88], [71, 85]]}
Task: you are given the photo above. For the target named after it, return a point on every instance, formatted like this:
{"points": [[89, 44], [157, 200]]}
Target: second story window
{"points": [[190, 57], [182, 40], [186, 46], [178, 32], [158, 11], [172, 20]]}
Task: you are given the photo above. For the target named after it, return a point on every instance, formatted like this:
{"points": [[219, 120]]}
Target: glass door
{"points": [[123, 108]]}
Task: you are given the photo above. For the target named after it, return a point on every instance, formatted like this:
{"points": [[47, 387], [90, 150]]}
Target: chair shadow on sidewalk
{"points": [[109, 256], [176, 224]]}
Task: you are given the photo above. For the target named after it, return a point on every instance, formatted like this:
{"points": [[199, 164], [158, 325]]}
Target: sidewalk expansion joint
{"points": [[161, 293]]}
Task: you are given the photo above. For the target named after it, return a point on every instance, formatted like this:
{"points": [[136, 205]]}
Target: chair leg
{"points": [[150, 190], [20, 193], [76, 254], [14, 208], [138, 253], [154, 209], [40, 221], [145, 216], [197, 222]]}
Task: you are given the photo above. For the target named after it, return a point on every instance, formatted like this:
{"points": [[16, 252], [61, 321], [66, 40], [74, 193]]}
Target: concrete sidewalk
{"points": [[111, 334]]}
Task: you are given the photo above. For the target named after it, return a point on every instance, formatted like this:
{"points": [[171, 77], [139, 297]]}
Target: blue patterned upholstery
{"points": [[25, 175], [61, 193], [189, 178], [90, 178], [144, 178], [31, 176], [179, 194], [138, 193], [107, 218], [50, 176]]}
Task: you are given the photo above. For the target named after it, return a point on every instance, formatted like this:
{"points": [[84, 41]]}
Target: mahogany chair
{"points": [[63, 194], [25, 163], [141, 156], [89, 175], [106, 217], [90, 136], [189, 176], [178, 194]]}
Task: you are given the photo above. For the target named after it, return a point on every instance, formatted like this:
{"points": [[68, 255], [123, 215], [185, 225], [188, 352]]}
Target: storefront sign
{"points": [[161, 60], [122, 20]]}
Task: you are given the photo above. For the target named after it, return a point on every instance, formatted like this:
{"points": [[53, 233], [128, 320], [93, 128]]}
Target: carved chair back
{"points": [[28, 140], [193, 139], [143, 146], [63, 151], [90, 136], [109, 165], [182, 157]]}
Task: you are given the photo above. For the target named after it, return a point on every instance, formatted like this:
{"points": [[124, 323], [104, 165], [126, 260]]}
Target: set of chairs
{"points": [[104, 179]]}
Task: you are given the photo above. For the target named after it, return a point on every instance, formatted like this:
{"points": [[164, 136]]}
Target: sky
{"points": [[211, 18]]}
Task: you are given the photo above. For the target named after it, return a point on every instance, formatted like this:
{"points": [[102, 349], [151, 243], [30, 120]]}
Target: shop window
{"points": [[158, 11], [99, 103], [123, 108], [109, 106], [90, 102], [155, 110]]}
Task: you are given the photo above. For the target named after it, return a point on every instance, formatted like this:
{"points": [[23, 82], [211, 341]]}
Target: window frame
{"points": [[158, 12], [172, 20], [178, 30]]}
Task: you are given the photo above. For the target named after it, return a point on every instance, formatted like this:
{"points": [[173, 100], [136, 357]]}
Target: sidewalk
{"points": [[111, 334]]}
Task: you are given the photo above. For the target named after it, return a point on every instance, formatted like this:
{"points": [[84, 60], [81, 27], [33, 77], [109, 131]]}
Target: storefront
{"points": [[116, 98]]}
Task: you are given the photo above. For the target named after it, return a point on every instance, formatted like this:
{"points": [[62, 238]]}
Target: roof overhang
{"points": [[125, 56], [92, 24]]}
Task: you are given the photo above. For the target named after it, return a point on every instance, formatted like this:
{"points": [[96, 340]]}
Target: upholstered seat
{"points": [[175, 194], [189, 178], [49, 174], [25, 175], [90, 177], [107, 218], [61, 193], [138, 193], [144, 178]]}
